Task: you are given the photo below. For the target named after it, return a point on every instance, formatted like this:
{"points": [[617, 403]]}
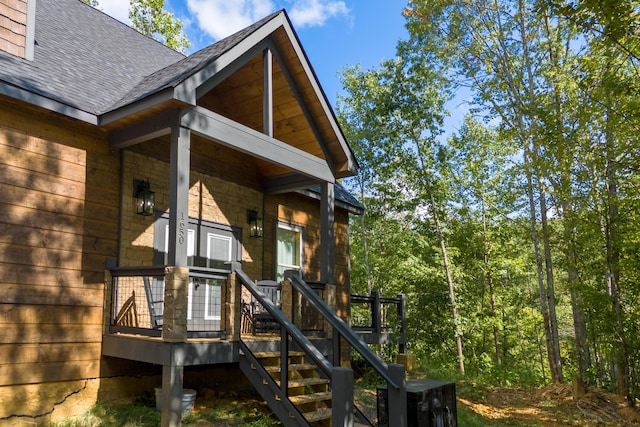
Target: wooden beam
{"points": [[232, 134], [205, 79], [267, 93], [287, 183], [152, 127], [351, 161]]}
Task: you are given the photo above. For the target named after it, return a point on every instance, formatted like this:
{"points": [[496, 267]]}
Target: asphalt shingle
{"points": [[83, 58]]}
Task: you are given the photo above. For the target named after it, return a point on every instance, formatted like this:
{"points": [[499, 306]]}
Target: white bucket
{"points": [[188, 399]]}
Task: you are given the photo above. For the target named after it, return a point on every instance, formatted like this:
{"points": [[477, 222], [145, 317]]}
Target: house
{"points": [[146, 195]]}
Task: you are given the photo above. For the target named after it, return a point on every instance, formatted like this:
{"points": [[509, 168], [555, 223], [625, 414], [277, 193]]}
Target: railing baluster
{"points": [[284, 362], [375, 312], [402, 313]]}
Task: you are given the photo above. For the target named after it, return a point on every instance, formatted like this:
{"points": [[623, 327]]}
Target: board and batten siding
{"points": [[58, 225]]}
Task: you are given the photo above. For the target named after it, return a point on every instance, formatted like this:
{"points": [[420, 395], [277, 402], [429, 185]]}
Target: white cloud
{"points": [[118, 9], [315, 12], [220, 18]]}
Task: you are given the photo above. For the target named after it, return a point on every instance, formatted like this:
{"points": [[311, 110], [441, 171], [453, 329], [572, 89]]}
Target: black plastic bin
{"points": [[430, 403]]}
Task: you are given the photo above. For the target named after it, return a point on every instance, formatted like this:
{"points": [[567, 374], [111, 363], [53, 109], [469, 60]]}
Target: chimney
{"points": [[17, 27]]}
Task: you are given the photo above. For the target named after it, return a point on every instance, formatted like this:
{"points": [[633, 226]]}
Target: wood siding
{"points": [[13, 26], [212, 197], [58, 225], [299, 210]]}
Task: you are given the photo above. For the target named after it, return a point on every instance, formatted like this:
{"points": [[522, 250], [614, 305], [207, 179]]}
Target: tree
{"points": [[151, 19]]}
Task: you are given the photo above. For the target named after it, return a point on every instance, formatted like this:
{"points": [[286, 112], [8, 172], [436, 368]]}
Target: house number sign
{"points": [[181, 229]]}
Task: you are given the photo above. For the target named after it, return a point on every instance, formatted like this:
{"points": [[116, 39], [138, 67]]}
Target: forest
{"points": [[514, 237]]}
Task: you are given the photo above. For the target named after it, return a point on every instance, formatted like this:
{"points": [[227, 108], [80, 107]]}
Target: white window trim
{"points": [[300, 230]]}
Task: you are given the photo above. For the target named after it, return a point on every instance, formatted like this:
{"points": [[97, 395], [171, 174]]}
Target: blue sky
{"points": [[334, 33]]}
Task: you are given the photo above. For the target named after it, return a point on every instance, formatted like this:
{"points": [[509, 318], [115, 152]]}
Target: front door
{"points": [[210, 247]]}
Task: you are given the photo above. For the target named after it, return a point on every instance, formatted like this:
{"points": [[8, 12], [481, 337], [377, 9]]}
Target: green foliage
{"points": [[151, 19], [143, 413], [116, 414], [553, 129]]}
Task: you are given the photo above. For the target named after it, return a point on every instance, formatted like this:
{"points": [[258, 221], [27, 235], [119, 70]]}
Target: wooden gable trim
{"points": [[351, 160], [206, 78], [218, 128], [305, 110]]}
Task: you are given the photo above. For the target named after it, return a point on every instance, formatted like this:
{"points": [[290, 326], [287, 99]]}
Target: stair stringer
{"points": [[281, 406]]}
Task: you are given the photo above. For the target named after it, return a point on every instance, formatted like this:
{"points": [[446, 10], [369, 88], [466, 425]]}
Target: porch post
{"points": [[174, 327], [179, 196], [267, 94], [327, 238]]}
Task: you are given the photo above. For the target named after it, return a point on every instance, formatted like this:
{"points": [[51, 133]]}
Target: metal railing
{"points": [[137, 301], [394, 375], [277, 395], [380, 320]]}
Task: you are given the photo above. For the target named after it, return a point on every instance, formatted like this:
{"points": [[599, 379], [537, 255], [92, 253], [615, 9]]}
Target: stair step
{"points": [[310, 398], [271, 354], [292, 367], [320, 414], [305, 382]]}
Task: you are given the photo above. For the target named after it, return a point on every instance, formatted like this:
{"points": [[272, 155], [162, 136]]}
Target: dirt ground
{"points": [[552, 406]]}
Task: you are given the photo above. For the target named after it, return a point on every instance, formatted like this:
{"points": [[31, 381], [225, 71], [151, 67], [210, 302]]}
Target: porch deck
{"points": [[134, 318]]}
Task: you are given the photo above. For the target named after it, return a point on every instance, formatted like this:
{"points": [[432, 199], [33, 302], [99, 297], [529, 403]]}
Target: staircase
{"points": [[305, 389], [300, 388]]}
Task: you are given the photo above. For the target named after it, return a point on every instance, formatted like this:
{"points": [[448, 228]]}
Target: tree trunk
{"points": [[547, 297], [533, 223], [551, 299], [489, 277], [365, 247], [579, 324], [450, 283], [613, 266]]}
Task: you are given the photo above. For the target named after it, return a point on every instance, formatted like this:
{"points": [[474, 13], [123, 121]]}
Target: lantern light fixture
{"points": [[145, 198], [255, 223]]}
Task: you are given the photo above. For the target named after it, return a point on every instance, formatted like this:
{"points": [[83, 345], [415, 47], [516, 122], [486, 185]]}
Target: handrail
{"points": [[343, 329], [297, 336], [137, 271]]}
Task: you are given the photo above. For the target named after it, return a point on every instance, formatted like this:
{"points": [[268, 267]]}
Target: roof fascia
{"points": [[229, 62], [346, 206], [136, 107], [352, 164], [242, 138], [287, 183], [47, 103], [152, 127]]}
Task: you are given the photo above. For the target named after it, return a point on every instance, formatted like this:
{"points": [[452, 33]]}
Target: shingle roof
{"points": [[83, 58], [87, 60], [342, 195], [174, 74]]}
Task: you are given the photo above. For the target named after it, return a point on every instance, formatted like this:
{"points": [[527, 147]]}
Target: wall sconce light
{"points": [[255, 223], [145, 198]]}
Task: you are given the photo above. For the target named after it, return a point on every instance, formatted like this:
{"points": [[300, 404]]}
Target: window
{"points": [[209, 245], [219, 250], [289, 249]]}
